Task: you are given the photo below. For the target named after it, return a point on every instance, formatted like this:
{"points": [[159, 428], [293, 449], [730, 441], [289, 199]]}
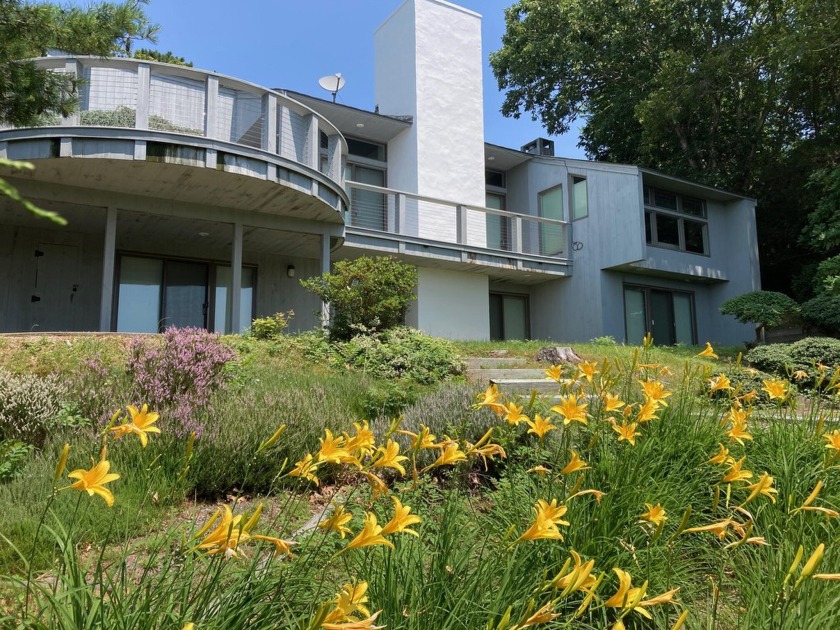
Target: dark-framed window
{"points": [[676, 221]]}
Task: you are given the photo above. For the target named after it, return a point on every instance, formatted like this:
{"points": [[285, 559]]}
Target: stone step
{"points": [[524, 373], [477, 363], [524, 385]]}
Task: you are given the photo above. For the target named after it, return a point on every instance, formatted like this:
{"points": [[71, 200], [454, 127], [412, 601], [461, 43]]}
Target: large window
{"points": [[552, 235], [499, 233], [675, 221], [580, 198], [155, 293], [367, 164], [667, 315]]}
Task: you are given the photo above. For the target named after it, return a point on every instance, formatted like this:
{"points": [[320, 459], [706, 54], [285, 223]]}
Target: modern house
{"points": [[197, 199]]}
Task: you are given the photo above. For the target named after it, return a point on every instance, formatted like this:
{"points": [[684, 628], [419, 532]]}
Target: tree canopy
{"points": [[29, 30], [744, 95]]}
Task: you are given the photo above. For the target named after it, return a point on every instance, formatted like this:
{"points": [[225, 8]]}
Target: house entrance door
{"points": [[508, 316], [56, 283]]}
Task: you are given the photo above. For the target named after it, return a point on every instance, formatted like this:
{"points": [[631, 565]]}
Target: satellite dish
{"points": [[332, 83]]}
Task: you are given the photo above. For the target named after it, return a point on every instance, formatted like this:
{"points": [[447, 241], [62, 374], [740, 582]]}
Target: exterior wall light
{"points": [[290, 271]]}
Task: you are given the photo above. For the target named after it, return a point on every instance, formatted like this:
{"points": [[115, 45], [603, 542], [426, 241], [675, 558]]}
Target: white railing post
{"points": [[461, 228], [517, 234], [211, 104], [144, 86], [400, 212]]}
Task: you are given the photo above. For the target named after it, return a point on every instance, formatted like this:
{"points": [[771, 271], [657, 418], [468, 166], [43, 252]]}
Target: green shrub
{"points": [[271, 327], [404, 353], [13, 456], [823, 312], [388, 399], [774, 358], [365, 294], [764, 308], [29, 406]]}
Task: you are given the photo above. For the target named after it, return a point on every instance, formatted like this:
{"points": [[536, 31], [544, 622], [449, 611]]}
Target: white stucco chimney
{"points": [[428, 64]]}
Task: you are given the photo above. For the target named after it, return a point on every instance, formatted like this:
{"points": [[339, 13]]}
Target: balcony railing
{"points": [[135, 94], [414, 216]]}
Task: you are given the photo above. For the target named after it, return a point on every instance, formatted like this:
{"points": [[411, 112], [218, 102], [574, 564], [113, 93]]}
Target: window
{"points": [[498, 226], [675, 221], [580, 200], [155, 293], [552, 235], [366, 165], [667, 315]]}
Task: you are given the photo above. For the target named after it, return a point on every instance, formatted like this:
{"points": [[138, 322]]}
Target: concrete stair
{"points": [[502, 371]]}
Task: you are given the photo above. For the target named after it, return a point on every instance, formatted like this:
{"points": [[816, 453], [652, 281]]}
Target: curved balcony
{"points": [[185, 127]]}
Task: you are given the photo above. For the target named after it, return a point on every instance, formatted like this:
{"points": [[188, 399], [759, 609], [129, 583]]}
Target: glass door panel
{"points": [[635, 315], [368, 207], [139, 295], [221, 314], [683, 319], [185, 294], [552, 239], [508, 317], [662, 318], [498, 227]]}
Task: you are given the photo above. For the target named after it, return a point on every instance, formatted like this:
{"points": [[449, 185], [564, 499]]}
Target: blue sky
{"points": [[292, 43]]}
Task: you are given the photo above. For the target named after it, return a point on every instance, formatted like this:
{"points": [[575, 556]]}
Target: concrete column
{"points": [[144, 86], [108, 256], [235, 297], [325, 268], [210, 106]]}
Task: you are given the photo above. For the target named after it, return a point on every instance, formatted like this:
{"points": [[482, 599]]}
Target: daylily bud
{"points": [[62, 462]]}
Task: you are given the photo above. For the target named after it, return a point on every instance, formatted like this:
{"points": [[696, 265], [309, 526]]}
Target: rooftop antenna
{"points": [[332, 83]]}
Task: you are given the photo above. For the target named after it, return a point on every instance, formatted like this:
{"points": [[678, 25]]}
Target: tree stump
{"points": [[556, 355]]}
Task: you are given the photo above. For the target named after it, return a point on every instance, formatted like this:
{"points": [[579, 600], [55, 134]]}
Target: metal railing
{"points": [[416, 216], [139, 94]]}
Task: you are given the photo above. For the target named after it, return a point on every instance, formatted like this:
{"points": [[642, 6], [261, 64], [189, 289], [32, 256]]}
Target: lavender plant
{"points": [[179, 372]]}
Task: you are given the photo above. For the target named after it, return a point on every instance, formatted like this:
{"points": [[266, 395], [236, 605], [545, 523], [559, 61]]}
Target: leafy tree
{"points": [[764, 308], [30, 30], [365, 294]]}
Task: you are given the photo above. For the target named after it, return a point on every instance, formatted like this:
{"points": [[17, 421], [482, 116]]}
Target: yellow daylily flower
{"points": [[140, 424], [541, 616], [721, 457], [575, 575], [349, 601], [555, 372], [540, 470], [708, 352], [377, 486], [363, 443], [401, 520], [547, 518], [332, 450], [734, 473], [362, 624], [306, 469], [514, 415], [228, 534], [93, 480], [807, 507], [540, 426], [775, 389], [370, 535], [800, 375], [655, 514], [738, 433], [626, 432], [612, 402], [596, 493], [452, 454], [833, 440], [389, 457], [764, 485], [632, 599], [718, 529], [655, 391], [719, 383], [571, 409], [588, 370], [281, 547], [337, 522], [575, 464], [424, 438], [492, 400], [647, 411], [483, 449]]}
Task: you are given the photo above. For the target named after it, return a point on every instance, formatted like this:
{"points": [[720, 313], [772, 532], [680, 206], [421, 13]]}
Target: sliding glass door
{"points": [[667, 315], [508, 316]]}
